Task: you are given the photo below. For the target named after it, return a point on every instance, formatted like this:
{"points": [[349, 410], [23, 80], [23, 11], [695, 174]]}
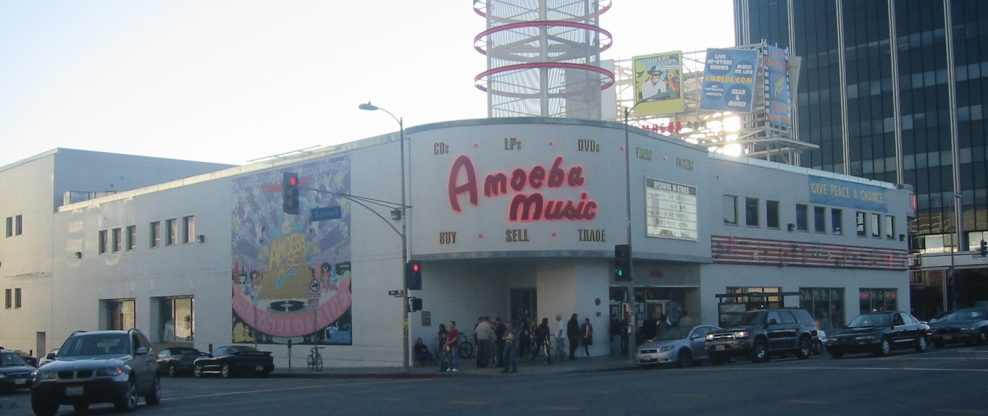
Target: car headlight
{"points": [[2, 377], [45, 375], [109, 371], [710, 337], [666, 348], [741, 334]]}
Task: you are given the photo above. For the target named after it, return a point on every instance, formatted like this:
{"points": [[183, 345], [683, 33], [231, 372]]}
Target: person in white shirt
{"points": [[560, 337], [654, 88]]}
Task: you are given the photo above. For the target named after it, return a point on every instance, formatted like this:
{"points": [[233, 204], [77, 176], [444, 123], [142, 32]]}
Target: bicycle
{"points": [[466, 347], [314, 361]]}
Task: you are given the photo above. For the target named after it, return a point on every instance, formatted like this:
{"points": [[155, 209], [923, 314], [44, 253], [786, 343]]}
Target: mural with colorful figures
{"points": [[291, 273]]}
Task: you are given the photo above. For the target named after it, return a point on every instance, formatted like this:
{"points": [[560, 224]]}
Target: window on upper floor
{"points": [[8, 298], [772, 214], [188, 229], [819, 219], [171, 232], [802, 220], [730, 209], [889, 227], [155, 234], [115, 240], [131, 237], [859, 224], [836, 221], [751, 212], [10, 226], [19, 225], [17, 298], [102, 241], [876, 225]]}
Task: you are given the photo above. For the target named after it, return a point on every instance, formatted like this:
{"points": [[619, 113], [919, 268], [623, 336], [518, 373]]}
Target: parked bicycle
{"points": [[314, 361], [466, 346]]}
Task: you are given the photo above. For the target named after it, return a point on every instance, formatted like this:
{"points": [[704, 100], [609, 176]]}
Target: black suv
{"points": [[760, 333], [98, 367]]}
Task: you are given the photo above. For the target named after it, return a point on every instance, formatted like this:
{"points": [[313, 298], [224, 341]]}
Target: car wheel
{"points": [[804, 348], [197, 370], [43, 406], [154, 397], [818, 348], [226, 371], [128, 401], [884, 348], [922, 345], [172, 372], [684, 358], [759, 351], [80, 407], [836, 353], [983, 337]]}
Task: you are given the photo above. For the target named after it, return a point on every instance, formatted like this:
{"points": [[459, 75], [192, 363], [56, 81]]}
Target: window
{"points": [[820, 219], [18, 225], [188, 229], [730, 209], [10, 226], [155, 234], [877, 300], [875, 224], [8, 294], [772, 214], [131, 237], [17, 298], [115, 240], [801, 217], [177, 319], [836, 221], [859, 223], [751, 212], [171, 232], [102, 241], [119, 314], [889, 227]]}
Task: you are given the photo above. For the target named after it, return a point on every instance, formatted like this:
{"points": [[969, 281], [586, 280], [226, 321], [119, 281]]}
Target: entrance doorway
{"points": [[524, 307]]}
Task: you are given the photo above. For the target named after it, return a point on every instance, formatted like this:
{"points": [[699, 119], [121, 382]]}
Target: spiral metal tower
{"points": [[543, 57]]}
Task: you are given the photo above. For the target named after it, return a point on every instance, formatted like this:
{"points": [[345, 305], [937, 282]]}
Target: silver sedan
{"points": [[680, 346]]}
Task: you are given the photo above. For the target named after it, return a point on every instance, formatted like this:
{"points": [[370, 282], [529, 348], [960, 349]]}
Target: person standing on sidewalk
{"points": [[441, 352], [542, 340], [453, 342], [560, 337], [499, 330], [586, 331], [573, 335], [484, 335], [510, 358]]}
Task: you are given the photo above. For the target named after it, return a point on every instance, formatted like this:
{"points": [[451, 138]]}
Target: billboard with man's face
{"points": [[658, 83]]}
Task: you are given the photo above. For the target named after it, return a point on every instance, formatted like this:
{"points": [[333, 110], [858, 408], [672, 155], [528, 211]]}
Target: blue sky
{"points": [[233, 80]]}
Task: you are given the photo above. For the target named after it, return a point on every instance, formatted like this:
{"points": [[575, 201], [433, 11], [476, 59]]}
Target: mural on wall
{"points": [[291, 273]]}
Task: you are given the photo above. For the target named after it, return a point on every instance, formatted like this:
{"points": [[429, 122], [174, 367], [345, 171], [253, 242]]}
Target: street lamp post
{"points": [[404, 238], [631, 275]]}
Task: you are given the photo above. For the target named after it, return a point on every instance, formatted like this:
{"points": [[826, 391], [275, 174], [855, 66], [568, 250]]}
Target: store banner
{"points": [[729, 80], [778, 98], [658, 79]]}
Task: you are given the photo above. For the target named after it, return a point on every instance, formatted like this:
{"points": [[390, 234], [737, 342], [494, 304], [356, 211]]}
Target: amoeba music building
{"points": [[516, 218]]}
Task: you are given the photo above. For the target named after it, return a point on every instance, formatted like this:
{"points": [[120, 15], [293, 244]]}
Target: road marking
{"points": [[249, 392], [560, 408], [689, 395], [469, 402], [946, 370], [600, 391], [797, 401], [960, 411]]}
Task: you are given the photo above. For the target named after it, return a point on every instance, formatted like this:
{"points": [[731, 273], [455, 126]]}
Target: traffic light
{"points": [[289, 192], [414, 304], [984, 248], [413, 275], [622, 263]]}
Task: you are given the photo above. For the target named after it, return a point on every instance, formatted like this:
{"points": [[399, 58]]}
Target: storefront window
{"points": [[877, 300], [176, 319], [825, 304], [119, 314]]}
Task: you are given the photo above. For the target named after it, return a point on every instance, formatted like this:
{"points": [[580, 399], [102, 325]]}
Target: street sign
{"points": [[396, 293], [325, 213]]}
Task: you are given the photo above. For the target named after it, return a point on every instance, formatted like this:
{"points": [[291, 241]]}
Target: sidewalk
{"points": [[467, 367]]}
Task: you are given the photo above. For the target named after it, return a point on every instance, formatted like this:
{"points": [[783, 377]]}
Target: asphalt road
{"points": [[948, 381]]}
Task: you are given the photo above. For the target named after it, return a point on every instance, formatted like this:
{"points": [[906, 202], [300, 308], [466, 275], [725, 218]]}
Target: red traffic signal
{"points": [[289, 193], [413, 275]]}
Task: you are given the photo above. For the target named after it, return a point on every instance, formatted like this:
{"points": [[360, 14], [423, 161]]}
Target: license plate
{"points": [[720, 348], [20, 381], [73, 391], [259, 368]]}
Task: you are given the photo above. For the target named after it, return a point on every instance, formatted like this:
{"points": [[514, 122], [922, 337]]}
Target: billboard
{"points": [[778, 98], [729, 80], [658, 79]]}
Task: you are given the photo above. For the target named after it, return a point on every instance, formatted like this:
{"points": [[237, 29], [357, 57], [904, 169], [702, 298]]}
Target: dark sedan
{"points": [[178, 360], [880, 333], [14, 372], [969, 326], [231, 360]]}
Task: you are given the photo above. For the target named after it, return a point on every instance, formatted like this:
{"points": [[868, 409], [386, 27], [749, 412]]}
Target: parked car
{"points": [[758, 334], [969, 326], [28, 358], [820, 346], [15, 373], [681, 346], [49, 357], [230, 360], [98, 367], [880, 333], [175, 361]]}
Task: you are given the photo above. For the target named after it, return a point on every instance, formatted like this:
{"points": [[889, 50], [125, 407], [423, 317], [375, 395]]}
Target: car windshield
{"points": [[94, 344], [672, 333], [184, 351], [749, 318], [972, 314], [871, 320], [11, 359]]}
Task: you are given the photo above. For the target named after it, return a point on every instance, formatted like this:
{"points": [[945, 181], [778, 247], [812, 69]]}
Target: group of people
{"points": [[500, 344]]}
